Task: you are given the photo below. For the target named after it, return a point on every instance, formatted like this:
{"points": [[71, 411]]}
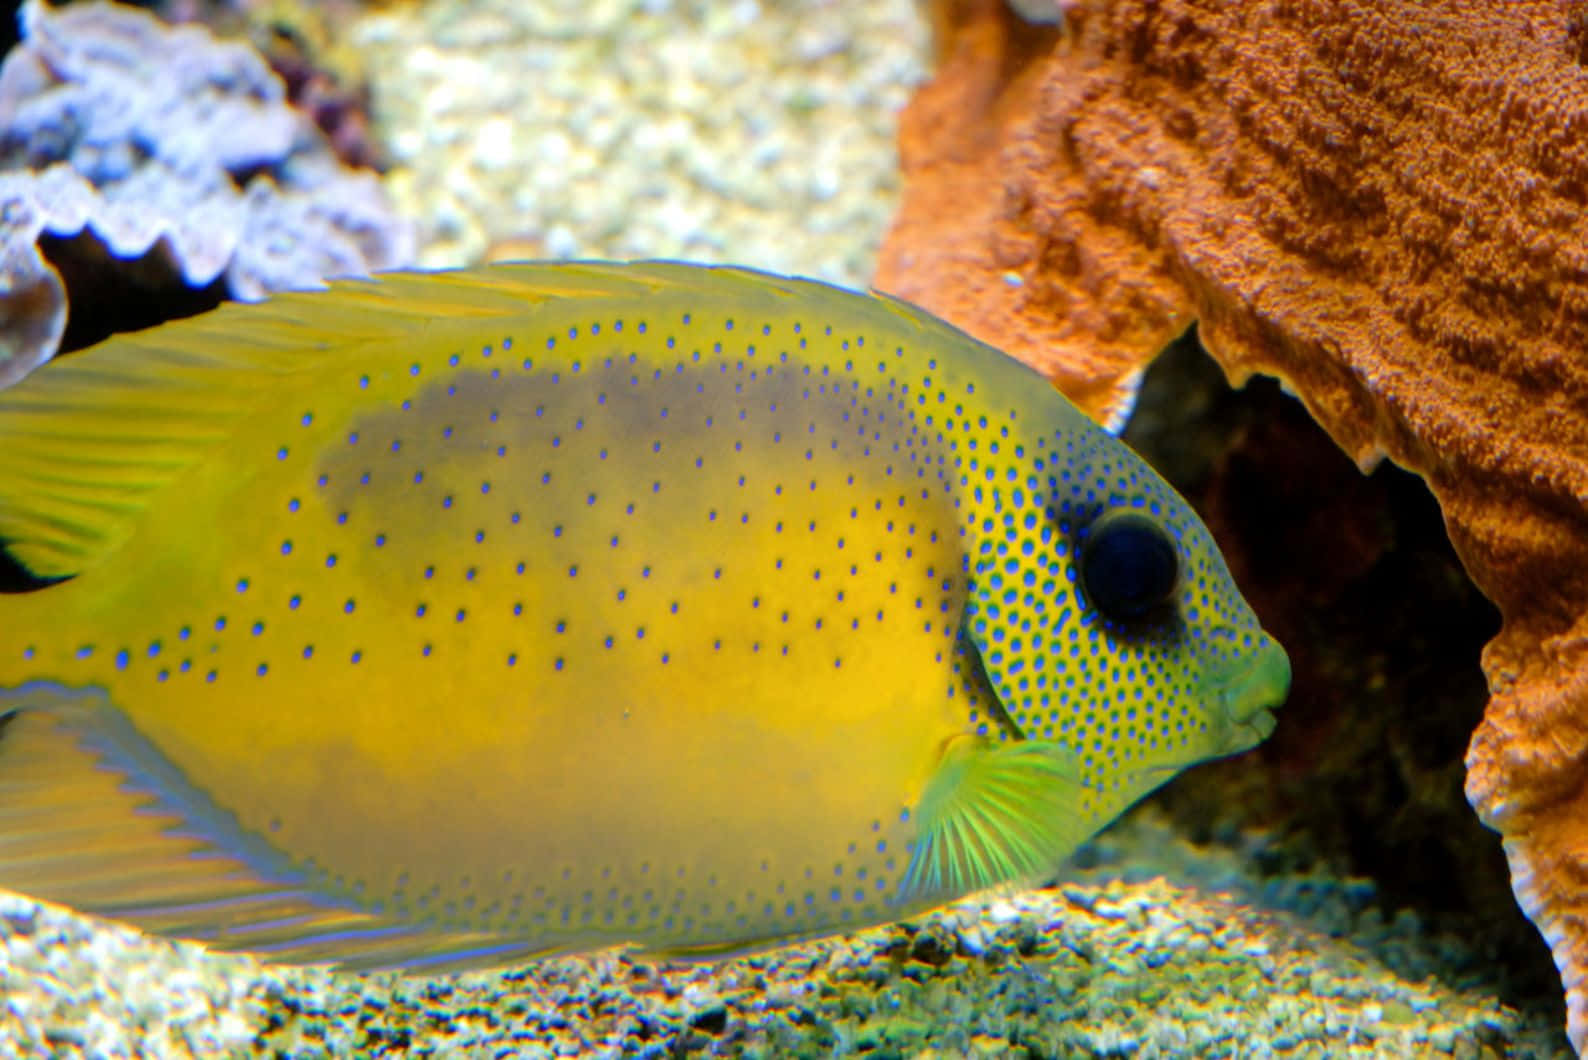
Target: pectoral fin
{"points": [[995, 813]]}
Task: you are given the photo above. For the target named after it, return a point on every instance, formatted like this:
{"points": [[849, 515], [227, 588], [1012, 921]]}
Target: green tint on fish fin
{"points": [[89, 439], [995, 813], [93, 817]]}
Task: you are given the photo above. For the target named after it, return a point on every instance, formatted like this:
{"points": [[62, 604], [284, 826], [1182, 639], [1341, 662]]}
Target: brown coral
{"points": [[1383, 202]]}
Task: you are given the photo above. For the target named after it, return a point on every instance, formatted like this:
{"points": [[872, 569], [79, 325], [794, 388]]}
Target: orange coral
{"points": [[1383, 202]]}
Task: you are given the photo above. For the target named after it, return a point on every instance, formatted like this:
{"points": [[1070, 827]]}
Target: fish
{"points": [[448, 620]]}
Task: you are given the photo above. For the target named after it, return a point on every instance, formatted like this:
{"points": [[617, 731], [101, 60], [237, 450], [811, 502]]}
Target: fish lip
{"points": [[1250, 695], [1260, 725]]}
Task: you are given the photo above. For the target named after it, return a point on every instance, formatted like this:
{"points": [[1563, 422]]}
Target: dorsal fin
{"points": [[86, 440]]}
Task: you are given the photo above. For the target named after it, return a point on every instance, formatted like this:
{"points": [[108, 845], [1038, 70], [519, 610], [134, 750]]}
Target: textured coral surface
{"points": [[1380, 201], [140, 163]]}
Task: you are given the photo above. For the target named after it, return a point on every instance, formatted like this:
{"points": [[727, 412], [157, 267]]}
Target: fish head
{"points": [[1107, 620]]}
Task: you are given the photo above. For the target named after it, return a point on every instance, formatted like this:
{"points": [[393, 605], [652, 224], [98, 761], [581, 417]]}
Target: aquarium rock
{"points": [[742, 132], [1149, 970], [1382, 205], [1039, 10], [172, 157]]}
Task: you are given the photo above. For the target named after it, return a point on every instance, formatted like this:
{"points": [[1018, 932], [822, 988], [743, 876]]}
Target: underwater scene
{"points": [[794, 528]]}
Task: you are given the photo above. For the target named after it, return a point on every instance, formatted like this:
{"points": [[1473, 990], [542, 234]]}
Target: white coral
{"points": [[168, 146]]}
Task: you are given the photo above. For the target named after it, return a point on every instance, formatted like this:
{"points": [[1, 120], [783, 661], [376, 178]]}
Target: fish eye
{"points": [[1129, 565]]}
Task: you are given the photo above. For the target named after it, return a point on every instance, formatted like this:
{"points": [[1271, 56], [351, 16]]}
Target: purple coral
{"points": [[169, 160]]}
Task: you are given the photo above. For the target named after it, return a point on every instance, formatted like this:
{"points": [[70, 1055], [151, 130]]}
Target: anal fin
{"points": [[93, 817]]}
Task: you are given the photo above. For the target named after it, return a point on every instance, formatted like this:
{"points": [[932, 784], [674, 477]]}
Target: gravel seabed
{"points": [[718, 130], [1112, 969], [763, 134]]}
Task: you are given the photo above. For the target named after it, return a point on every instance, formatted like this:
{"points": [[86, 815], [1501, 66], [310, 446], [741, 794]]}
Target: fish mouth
{"points": [[1251, 695]]}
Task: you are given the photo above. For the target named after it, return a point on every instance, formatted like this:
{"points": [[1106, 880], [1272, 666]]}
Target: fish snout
{"points": [[1251, 694]]}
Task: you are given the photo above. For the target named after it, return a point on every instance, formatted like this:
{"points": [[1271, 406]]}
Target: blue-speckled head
{"points": [[1103, 613]]}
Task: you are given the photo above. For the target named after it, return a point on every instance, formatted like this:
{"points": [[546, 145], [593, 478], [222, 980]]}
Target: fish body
{"points": [[446, 619]]}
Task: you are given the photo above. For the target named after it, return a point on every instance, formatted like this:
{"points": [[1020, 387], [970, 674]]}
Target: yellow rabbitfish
{"points": [[452, 618]]}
